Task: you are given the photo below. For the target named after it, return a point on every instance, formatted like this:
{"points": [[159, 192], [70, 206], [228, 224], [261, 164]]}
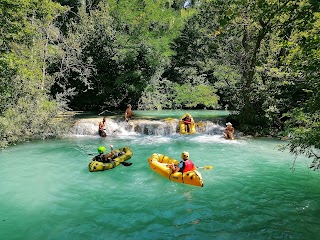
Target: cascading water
{"points": [[147, 127]]}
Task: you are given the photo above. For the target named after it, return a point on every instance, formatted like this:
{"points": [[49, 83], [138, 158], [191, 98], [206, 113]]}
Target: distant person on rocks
{"points": [[229, 131], [102, 128], [128, 113]]}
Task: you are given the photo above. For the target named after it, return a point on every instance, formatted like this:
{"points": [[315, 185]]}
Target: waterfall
{"points": [[168, 126]]}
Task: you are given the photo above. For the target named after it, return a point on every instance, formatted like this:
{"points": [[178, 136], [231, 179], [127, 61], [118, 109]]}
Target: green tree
{"points": [[97, 69], [190, 96], [303, 124], [158, 93], [303, 131], [28, 32], [239, 46], [121, 44]]}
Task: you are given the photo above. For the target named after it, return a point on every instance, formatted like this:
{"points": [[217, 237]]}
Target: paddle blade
{"points": [[127, 164], [208, 167]]}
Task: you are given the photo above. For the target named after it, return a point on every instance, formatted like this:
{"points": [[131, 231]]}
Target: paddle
{"points": [[106, 111], [126, 164], [206, 167]]}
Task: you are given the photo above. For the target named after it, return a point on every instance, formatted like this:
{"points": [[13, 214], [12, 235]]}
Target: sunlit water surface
{"points": [[47, 192]]}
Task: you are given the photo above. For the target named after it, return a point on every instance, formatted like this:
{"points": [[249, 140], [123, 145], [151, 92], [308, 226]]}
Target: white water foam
{"points": [[144, 127]]}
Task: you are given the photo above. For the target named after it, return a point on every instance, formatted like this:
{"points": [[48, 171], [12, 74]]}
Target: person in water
{"points": [[102, 128], [128, 113], [184, 166], [187, 121], [108, 157], [229, 131]]}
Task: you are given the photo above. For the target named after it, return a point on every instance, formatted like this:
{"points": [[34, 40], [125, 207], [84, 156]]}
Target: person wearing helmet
{"points": [[108, 157], [184, 166], [101, 150]]}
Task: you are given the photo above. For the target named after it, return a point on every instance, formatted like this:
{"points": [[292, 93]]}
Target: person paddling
{"points": [[108, 157], [184, 166]]}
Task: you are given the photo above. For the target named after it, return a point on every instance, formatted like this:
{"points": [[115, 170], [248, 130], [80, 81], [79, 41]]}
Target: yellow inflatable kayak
{"points": [[183, 127], [158, 163], [95, 166]]}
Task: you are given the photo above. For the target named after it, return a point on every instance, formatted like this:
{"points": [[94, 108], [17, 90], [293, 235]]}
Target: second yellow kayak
{"points": [[182, 125]]}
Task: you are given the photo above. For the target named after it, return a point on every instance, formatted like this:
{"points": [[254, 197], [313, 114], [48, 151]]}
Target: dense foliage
{"points": [[259, 58], [28, 38]]}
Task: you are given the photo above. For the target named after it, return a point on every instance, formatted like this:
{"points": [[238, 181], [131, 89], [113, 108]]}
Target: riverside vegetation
{"points": [[259, 58]]}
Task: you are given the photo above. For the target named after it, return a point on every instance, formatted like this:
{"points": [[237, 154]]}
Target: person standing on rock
{"points": [[102, 128], [128, 113]]}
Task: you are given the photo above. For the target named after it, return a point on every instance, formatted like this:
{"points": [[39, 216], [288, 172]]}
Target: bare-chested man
{"points": [[102, 128], [228, 132], [128, 113]]}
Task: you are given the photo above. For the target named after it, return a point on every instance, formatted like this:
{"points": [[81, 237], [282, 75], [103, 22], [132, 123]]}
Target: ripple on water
{"points": [[47, 192]]}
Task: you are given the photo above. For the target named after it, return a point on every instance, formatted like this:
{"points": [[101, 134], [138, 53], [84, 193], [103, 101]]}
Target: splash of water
{"points": [[143, 126]]}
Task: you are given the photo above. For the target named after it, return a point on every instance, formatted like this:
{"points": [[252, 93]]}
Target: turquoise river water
{"points": [[47, 192]]}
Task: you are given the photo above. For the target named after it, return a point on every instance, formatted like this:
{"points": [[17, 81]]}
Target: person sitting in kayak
{"points": [[108, 157], [187, 122], [184, 166], [229, 131], [102, 128]]}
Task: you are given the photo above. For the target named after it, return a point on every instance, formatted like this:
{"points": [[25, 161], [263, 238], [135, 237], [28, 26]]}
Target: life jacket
{"points": [[188, 166], [98, 158], [187, 120]]}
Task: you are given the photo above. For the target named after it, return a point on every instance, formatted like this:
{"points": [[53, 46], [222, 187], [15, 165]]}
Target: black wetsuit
{"points": [[100, 157]]}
